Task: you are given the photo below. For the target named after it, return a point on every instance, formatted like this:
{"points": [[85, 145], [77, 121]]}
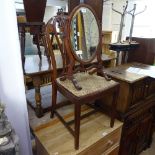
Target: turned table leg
{"points": [[38, 109]]}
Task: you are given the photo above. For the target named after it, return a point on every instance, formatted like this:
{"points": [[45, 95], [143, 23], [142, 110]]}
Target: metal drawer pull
{"points": [[110, 142]]}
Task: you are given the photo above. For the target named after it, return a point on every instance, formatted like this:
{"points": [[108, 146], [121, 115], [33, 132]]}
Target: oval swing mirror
{"points": [[84, 34]]}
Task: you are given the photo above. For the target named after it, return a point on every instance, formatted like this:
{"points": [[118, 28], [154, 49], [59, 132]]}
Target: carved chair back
{"points": [[63, 27], [70, 54]]}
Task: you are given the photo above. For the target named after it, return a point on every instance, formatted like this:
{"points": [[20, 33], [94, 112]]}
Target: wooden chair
{"points": [[93, 86]]}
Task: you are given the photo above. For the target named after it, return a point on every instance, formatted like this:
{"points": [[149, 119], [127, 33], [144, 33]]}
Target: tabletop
{"points": [[33, 65], [131, 72]]}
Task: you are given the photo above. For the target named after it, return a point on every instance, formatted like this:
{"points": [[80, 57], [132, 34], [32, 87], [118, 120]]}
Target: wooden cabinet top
{"points": [[121, 72]]}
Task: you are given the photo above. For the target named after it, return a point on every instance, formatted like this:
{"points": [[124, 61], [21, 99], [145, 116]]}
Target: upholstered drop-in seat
{"points": [[91, 84]]}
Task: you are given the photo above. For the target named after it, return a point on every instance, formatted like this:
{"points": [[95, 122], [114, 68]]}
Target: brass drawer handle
{"points": [[110, 142]]}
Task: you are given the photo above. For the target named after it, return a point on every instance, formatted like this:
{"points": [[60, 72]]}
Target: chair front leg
{"points": [[77, 125], [113, 107], [54, 99]]}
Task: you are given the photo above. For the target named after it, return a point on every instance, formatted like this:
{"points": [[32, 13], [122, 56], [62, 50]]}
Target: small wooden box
{"points": [[96, 138]]}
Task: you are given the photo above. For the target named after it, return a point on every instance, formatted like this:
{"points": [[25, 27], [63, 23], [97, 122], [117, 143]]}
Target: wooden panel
{"points": [[96, 136], [129, 141], [115, 151], [151, 86], [39, 148], [103, 145], [145, 53], [137, 92], [123, 100], [72, 4], [34, 10], [144, 133], [97, 6]]}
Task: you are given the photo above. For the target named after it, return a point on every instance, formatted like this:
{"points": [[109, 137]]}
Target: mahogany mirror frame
{"points": [[97, 51]]}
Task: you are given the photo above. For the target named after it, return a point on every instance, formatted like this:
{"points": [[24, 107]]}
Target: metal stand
{"points": [[133, 14], [119, 39]]}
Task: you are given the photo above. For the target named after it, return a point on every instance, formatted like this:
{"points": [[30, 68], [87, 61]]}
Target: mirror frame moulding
{"points": [[100, 35]]}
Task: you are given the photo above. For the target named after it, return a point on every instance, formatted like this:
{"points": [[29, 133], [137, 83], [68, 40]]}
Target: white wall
{"points": [[56, 2], [12, 91], [144, 23], [50, 11], [111, 19]]}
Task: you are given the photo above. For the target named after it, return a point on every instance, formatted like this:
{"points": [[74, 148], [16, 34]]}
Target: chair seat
{"points": [[91, 84]]}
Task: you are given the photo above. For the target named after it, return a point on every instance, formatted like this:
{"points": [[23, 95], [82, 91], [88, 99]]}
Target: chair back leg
{"points": [[77, 115]]}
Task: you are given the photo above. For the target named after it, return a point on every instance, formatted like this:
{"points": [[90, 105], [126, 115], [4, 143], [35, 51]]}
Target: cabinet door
{"points": [[138, 92], [144, 133], [129, 141]]}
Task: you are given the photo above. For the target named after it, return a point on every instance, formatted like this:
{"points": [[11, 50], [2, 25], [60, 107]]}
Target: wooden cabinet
{"points": [[96, 137], [136, 134], [128, 139], [144, 133], [135, 105]]}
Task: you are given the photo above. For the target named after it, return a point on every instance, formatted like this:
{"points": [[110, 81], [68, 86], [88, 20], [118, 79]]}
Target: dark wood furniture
{"points": [[96, 5], [124, 48], [34, 28], [145, 53], [136, 101], [34, 11], [78, 84], [39, 71]]}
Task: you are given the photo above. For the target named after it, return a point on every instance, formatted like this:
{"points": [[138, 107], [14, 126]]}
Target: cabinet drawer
{"points": [[113, 151], [104, 144]]}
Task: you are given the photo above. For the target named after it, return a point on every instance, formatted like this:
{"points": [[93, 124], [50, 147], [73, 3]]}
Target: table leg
{"points": [[117, 59], [22, 44], [38, 109], [38, 46]]}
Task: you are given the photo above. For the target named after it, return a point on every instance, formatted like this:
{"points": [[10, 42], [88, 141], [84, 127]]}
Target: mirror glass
{"points": [[84, 33]]}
